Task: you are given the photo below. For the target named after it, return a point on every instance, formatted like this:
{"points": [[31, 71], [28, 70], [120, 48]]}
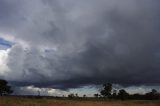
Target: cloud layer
{"points": [[66, 43]]}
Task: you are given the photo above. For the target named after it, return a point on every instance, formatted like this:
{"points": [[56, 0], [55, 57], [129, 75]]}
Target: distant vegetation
{"points": [[109, 93], [106, 93], [5, 89]]}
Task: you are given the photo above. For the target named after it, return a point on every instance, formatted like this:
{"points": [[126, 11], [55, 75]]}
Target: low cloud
{"points": [[31, 90]]}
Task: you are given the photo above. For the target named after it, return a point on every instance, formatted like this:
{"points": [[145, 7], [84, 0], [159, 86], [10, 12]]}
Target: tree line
{"points": [[109, 93], [106, 93]]}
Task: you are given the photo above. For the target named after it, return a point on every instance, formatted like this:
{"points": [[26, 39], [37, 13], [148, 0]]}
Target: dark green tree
{"points": [[122, 94], [152, 95], [71, 96], [96, 95], [114, 95], [5, 89], [154, 91], [106, 92], [76, 95], [84, 96]]}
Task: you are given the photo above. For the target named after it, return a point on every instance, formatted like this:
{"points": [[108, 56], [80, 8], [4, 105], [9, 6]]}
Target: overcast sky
{"points": [[68, 44]]}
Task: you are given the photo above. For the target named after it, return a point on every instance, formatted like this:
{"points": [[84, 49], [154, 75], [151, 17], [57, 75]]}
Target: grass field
{"points": [[17, 101]]}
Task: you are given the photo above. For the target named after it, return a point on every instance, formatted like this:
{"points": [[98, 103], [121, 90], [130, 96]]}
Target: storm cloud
{"points": [[72, 43]]}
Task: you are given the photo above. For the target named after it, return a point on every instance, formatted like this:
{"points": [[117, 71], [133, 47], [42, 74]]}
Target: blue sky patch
{"points": [[4, 44]]}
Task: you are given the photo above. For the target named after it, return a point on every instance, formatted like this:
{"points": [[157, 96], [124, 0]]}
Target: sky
{"points": [[63, 46]]}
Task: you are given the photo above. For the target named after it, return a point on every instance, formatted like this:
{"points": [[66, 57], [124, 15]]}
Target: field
{"points": [[18, 101]]}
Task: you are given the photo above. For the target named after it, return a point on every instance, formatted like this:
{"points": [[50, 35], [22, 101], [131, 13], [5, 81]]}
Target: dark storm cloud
{"points": [[11, 14], [68, 44]]}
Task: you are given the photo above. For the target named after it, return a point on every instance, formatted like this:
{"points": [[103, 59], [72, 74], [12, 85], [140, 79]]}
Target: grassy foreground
{"points": [[17, 101]]}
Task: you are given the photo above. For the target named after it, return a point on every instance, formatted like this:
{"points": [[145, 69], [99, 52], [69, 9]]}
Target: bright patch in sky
{"points": [[4, 44], [3, 61]]}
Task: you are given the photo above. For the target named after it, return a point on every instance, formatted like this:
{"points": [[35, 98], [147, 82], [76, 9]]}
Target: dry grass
{"points": [[14, 101]]}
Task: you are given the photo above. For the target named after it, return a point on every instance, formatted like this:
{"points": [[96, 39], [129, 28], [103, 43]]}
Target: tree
{"points": [[71, 96], [114, 95], [76, 95], [39, 93], [154, 91], [106, 92], [96, 95], [152, 95], [123, 94], [84, 96], [5, 89]]}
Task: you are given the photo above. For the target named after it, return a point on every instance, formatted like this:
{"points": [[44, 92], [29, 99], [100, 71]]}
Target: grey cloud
{"points": [[75, 43]]}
